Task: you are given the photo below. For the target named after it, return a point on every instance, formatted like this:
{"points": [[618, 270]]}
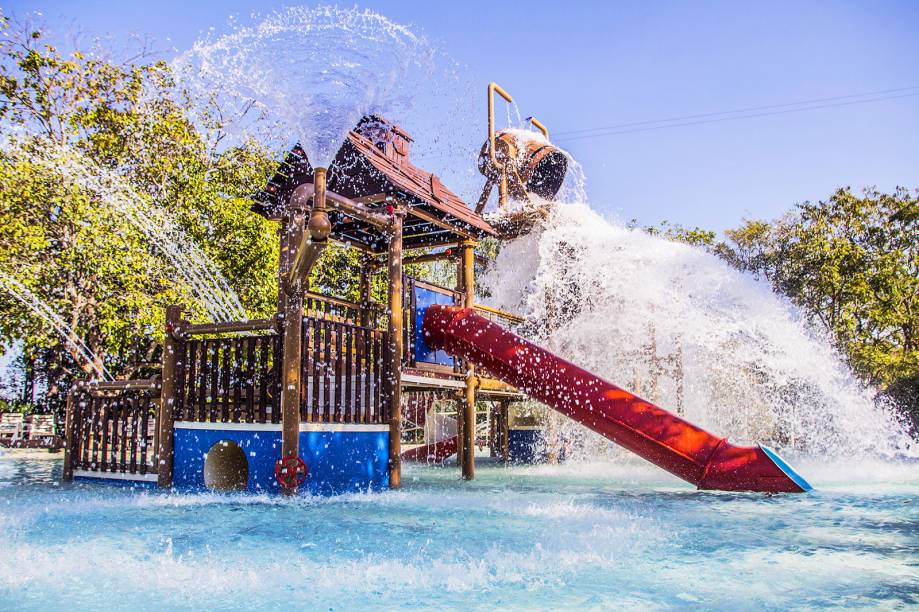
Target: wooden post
{"points": [[492, 430], [284, 257], [169, 391], [364, 290], [460, 395], [395, 331], [505, 430], [468, 436], [293, 341], [68, 438]]}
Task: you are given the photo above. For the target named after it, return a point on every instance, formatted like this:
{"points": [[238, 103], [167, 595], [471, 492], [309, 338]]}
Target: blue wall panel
{"points": [[423, 299], [337, 461], [523, 446]]}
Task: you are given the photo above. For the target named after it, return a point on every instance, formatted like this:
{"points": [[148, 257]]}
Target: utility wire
{"points": [[742, 110], [716, 118]]}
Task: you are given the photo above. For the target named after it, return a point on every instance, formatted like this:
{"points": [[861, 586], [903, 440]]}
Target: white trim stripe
{"points": [[433, 382], [350, 427], [114, 476], [346, 427]]}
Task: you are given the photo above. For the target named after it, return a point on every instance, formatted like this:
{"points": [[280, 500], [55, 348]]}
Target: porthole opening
{"points": [[226, 467]]}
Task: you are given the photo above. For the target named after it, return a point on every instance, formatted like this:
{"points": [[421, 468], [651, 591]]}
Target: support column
{"points": [[395, 331], [460, 395], [492, 430], [284, 257], [468, 406], [172, 348], [505, 419], [293, 341], [68, 438]]}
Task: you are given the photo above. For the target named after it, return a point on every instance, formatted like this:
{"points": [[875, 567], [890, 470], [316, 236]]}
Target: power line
{"points": [[740, 110], [615, 132]]}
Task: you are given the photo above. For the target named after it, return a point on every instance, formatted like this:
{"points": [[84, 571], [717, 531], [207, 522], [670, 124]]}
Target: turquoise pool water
{"points": [[573, 536]]}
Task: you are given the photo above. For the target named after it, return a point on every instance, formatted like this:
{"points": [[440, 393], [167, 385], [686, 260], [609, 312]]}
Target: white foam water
{"points": [[315, 70], [678, 326]]}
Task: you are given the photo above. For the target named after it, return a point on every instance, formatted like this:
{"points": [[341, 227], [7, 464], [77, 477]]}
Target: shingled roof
{"points": [[373, 167]]}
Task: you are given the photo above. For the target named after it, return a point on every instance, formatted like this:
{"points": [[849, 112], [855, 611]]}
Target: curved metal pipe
{"points": [[494, 88], [314, 238], [539, 126]]}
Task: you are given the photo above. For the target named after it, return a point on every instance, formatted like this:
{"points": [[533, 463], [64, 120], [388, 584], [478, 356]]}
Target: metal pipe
{"points": [[494, 88], [313, 241], [539, 126]]}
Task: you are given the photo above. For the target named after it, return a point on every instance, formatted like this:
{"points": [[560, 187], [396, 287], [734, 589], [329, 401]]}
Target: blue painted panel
{"points": [[262, 449], [343, 461], [338, 461], [523, 446], [424, 353]]}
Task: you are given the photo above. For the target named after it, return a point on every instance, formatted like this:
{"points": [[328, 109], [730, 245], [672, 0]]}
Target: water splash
{"points": [[315, 70], [205, 280], [679, 327], [24, 295]]}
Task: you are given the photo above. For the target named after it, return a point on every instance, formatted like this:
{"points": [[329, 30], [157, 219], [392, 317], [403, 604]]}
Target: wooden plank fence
{"points": [[229, 380], [112, 427], [343, 373]]}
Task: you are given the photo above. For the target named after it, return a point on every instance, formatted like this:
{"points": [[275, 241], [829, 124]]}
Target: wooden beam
{"points": [[292, 339], [426, 216], [417, 259], [198, 329]]}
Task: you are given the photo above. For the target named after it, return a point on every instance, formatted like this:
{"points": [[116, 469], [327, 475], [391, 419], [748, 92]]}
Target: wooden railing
{"points": [[229, 379], [111, 427], [344, 373], [501, 317], [334, 309]]}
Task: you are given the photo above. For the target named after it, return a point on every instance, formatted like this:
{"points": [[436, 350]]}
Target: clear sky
{"points": [[587, 65]]}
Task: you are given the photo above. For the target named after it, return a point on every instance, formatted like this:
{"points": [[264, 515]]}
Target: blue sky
{"points": [[586, 65]]}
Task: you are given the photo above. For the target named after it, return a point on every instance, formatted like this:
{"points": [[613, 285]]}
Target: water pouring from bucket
{"points": [[524, 166]]}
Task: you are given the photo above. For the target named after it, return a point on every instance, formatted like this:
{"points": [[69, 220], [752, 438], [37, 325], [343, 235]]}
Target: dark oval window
{"points": [[226, 467]]}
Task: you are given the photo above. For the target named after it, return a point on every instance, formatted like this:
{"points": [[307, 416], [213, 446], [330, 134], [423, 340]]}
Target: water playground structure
{"points": [[321, 396]]}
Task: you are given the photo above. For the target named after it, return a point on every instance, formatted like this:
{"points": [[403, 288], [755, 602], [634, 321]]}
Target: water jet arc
{"points": [[664, 439]]}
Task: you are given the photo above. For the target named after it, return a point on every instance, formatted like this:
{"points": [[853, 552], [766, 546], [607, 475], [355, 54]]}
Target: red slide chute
{"points": [[664, 439]]}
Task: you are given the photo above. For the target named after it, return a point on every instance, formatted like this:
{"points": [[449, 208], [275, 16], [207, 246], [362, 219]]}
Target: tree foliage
{"points": [[66, 243]]}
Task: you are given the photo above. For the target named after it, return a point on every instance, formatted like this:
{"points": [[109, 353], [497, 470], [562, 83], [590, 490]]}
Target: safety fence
{"points": [[111, 427], [229, 379], [344, 373]]}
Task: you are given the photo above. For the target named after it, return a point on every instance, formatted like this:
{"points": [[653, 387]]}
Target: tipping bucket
{"points": [[540, 166]]}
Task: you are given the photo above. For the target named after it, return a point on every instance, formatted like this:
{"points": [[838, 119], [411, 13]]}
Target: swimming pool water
{"points": [[573, 536]]}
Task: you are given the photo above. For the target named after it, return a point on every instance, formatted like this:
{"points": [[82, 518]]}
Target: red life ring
{"points": [[290, 471]]}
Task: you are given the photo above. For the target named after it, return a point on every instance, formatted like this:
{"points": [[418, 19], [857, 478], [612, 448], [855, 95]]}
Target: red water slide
{"points": [[664, 439]]}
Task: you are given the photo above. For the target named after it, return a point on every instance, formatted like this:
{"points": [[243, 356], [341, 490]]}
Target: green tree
{"points": [[61, 239], [851, 263]]}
